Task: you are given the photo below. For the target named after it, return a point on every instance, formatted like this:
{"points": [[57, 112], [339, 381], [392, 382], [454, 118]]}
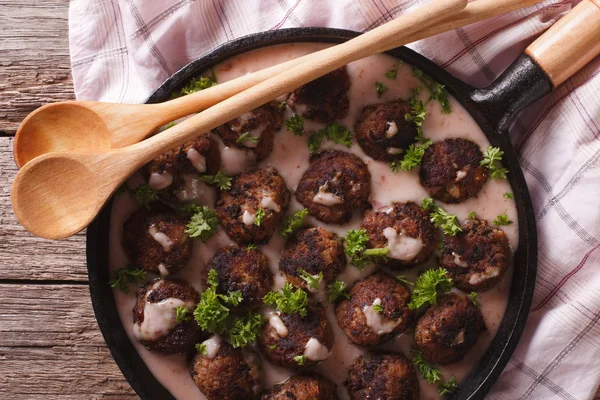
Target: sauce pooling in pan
{"points": [[290, 156]]}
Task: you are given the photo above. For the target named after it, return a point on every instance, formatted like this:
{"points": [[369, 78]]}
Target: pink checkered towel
{"points": [[121, 50]]}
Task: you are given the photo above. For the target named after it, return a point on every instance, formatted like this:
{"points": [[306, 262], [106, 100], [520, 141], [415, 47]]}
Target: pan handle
{"points": [[570, 43], [556, 55]]}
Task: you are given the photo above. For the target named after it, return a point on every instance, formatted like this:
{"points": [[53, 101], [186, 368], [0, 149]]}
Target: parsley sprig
{"points": [[412, 158], [393, 73], [123, 278], [335, 132], [203, 224], [491, 157], [301, 360], [294, 223], [428, 372], [448, 387], [440, 218], [380, 88], [336, 290], [295, 124], [312, 281], [473, 297], [182, 314], [144, 195], [259, 216], [197, 85], [502, 220], [356, 248], [289, 300], [220, 179], [436, 90], [427, 287], [212, 312], [246, 137], [245, 329]]}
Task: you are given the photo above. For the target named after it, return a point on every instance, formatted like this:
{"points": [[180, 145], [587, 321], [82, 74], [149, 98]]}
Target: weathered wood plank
{"points": [[24, 256], [34, 58], [50, 346]]}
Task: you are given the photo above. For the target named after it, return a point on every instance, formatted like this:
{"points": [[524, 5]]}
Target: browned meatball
{"points": [[173, 172], [448, 330], [333, 185], [383, 131], [239, 268], [156, 240], [258, 126], [476, 258], [376, 311], [383, 376], [406, 229], [155, 317], [254, 190], [314, 250], [231, 374], [281, 348], [310, 386], [450, 170], [325, 99]]}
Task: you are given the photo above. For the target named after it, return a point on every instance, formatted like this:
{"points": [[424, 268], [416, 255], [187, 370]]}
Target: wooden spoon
{"points": [[58, 194], [95, 126]]}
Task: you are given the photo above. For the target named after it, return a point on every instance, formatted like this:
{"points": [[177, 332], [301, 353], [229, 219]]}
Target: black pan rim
{"points": [[480, 380]]}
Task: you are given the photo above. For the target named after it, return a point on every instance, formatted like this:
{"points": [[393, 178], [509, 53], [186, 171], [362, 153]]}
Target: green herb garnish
{"points": [[337, 290], [473, 297], [123, 278], [144, 195], [288, 301], [427, 371], [378, 308], [259, 216], [502, 220], [212, 314], [295, 124], [508, 195], [381, 89], [251, 246], [294, 223], [356, 248], [335, 132], [312, 281], [440, 218], [220, 179], [427, 287], [301, 360], [472, 215], [197, 85], [246, 137], [245, 330], [447, 388], [201, 348], [203, 224], [491, 157], [182, 314], [402, 278]]}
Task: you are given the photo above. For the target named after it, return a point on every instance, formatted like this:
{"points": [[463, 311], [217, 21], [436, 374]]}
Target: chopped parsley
{"points": [[393, 73], [335, 132], [295, 124], [288, 301], [245, 330], [508, 195], [272, 347], [294, 223], [502, 220], [259, 216], [427, 371], [169, 125], [491, 157], [212, 312], [312, 281], [282, 105], [220, 179], [123, 278], [412, 158], [144, 195], [246, 137], [381, 89], [182, 314], [356, 248], [201, 348], [378, 308], [440, 218], [472, 215], [337, 290], [437, 91], [427, 287], [197, 85], [473, 297], [402, 278], [301, 360], [251, 246], [203, 224], [418, 112], [447, 388]]}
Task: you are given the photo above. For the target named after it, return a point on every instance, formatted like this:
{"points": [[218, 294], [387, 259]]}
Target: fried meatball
{"points": [[383, 376], [286, 336], [175, 174], [258, 126], [333, 185], [325, 99], [309, 386], [476, 258], [225, 373], [156, 240], [359, 317], [239, 268], [254, 190], [448, 330], [383, 132], [155, 317], [314, 250], [450, 170], [406, 229]]}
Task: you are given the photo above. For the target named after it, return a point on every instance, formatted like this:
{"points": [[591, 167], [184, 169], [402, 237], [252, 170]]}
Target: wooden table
{"points": [[50, 345]]}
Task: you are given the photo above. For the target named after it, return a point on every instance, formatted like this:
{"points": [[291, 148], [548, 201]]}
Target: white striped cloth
{"points": [[121, 50]]}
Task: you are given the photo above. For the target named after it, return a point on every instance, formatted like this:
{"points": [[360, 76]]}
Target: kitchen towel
{"points": [[121, 50]]}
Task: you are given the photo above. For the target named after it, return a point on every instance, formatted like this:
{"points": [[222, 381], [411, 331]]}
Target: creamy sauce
{"points": [[458, 261], [161, 238], [290, 157], [315, 350], [402, 247], [198, 161], [327, 198], [159, 318], [375, 320], [268, 203], [277, 323], [213, 345], [391, 130], [160, 181], [479, 277], [163, 269], [196, 190], [248, 218]]}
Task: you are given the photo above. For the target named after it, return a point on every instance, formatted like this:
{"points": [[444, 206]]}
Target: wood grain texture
{"points": [[34, 58]]}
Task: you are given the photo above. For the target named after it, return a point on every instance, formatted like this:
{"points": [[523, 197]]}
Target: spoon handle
{"points": [[163, 113]]}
